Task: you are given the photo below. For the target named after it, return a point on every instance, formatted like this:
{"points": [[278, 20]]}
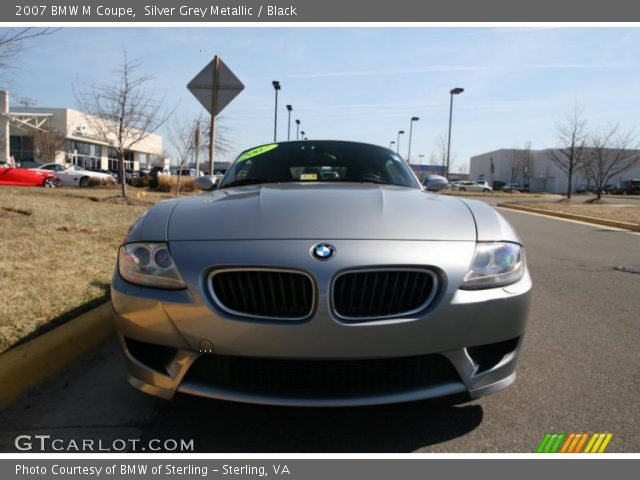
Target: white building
{"points": [[534, 169], [82, 146]]}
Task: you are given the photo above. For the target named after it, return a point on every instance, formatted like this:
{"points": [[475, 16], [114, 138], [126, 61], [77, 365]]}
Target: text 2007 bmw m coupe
{"points": [[320, 273]]}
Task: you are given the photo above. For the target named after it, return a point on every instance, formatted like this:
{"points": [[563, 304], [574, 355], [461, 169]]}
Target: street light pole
{"points": [[400, 132], [455, 91], [391, 144], [297, 129], [276, 87], [302, 133], [413, 119], [289, 108], [196, 147]]}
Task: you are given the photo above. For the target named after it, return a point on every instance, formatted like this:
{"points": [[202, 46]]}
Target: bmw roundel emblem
{"points": [[323, 251]]}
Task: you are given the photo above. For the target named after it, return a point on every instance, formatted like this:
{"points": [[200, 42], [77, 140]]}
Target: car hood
{"points": [[319, 211]]}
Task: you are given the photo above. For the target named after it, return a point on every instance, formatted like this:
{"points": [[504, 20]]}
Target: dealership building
{"points": [[82, 146], [534, 169]]}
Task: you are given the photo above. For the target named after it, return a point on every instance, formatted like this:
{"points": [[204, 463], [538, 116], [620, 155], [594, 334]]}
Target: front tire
{"points": [[462, 189], [486, 190], [84, 182], [49, 183]]}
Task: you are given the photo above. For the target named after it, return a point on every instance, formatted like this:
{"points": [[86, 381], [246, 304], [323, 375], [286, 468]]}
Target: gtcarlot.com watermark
{"points": [[48, 443]]}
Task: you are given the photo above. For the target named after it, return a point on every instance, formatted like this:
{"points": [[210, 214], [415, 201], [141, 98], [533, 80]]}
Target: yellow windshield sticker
{"points": [[309, 176], [256, 151]]}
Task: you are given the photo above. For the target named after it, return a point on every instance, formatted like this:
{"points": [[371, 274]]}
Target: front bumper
{"points": [[479, 332]]}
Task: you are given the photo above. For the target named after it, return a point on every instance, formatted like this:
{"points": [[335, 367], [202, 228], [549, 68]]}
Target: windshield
{"points": [[319, 161]]}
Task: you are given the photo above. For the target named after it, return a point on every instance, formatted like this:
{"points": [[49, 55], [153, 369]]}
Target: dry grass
{"points": [[168, 183], [620, 213], [57, 252], [102, 182]]}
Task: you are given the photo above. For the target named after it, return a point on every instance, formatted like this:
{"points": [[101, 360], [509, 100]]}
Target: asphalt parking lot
{"points": [[579, 372]]}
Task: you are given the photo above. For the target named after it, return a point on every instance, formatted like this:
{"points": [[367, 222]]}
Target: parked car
{"points": [[278, 288], [155, 171], [611, 189], [630, 187], [29, 164], [24, 177], [187, 172], [73, 175], [469, 186], [130, 173], [514, 187], [582, 188]]}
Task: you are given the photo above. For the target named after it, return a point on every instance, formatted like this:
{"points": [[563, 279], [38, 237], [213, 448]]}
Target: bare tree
{"points": [[544, 177], [610, 153], [572, 135], [223, 144], [520, 164], [47, 143], [125, 112], [526, 165], [12, 42], [182, 138], [183, 134], [157, 160], [439, 156]]}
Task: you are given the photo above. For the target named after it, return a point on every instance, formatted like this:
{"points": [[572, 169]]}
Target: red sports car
{"points": [[22, 177]]}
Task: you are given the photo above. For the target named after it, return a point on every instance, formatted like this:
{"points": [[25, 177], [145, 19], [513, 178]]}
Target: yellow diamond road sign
{"points": [[203, 83]]}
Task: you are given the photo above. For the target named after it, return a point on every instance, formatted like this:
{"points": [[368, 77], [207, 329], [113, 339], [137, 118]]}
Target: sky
{"points": [[363, 84]]}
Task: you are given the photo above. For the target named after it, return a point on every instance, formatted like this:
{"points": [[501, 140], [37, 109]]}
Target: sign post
{"points": [[214, 112], [214, 87]]}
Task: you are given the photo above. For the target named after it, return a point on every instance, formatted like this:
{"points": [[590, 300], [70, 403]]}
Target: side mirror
{"points": [[436, 186], [206, 183]]}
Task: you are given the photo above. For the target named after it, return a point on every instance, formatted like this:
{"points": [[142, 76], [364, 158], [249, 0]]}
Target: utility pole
{"points": [[276, 87]]}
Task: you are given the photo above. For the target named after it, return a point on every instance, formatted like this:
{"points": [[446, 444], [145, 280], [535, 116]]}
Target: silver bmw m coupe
{"points": [[321, 273]]}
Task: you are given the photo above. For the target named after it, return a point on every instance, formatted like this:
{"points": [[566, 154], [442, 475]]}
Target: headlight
{"points": [[149, 264], [494, 265]]}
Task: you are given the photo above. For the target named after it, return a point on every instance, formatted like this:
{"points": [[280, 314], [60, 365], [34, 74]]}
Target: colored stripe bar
{"points": [[606, 441], [592, 440], [574, 444], [582, 441], [567, 443], [543, 443], [550, 443], [555, 447], [596, 446]]}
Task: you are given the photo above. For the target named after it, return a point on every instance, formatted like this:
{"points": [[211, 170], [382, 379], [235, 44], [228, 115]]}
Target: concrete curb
{"points": [[582, 218], [27, 365]]}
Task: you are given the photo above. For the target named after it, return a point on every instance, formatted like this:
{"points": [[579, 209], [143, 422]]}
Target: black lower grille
{"points": [[382, 293], [150, 354], [321, 377], [263, 293], [488, 356]]}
